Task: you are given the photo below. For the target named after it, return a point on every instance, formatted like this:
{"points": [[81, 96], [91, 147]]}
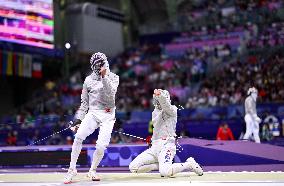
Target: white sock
{"points": [[76, 149], [179, 167], [97, 158], [256, 137]]}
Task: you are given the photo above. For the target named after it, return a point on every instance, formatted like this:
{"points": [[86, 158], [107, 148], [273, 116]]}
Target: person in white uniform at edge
{"points": [[97, 110], [251, 118], [160, 155]]}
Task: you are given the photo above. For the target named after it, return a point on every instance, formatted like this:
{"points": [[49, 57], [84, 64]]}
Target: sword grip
{"points": [[74, 123]]}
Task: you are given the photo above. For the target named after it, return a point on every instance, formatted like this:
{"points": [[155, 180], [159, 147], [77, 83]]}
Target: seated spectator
{"points": [[115, 139], [266, 134], [12, 138], [224, 133], [69, 140]]}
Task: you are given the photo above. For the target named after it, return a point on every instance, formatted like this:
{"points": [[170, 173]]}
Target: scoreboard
{"points": [[27, 22]]}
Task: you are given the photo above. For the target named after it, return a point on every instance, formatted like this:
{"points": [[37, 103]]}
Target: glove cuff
{"points": [[75, 122]]}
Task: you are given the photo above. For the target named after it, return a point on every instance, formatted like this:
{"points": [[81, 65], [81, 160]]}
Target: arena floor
{"points": [[127, 179]]}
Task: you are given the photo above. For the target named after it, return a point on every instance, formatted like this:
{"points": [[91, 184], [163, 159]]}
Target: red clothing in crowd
{"points": [[11, 140], [224, 134]]}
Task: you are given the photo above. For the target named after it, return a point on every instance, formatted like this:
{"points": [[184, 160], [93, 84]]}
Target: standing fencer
{"points": [[160, 155], [97, 110], [251, 118]]}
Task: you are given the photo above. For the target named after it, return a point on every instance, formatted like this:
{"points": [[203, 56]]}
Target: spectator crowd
{"points": [[225, 31]]}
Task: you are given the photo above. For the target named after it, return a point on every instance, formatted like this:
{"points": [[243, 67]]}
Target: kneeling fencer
{"points": [[160, 155], [97, 110], [251, 118]]}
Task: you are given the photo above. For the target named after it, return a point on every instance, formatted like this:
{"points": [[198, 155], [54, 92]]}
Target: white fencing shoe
{"points": [[194, 166], [93, 175], [69, 176]]}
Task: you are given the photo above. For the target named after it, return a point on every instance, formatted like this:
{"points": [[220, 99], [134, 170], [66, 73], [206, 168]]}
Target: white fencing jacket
{"points": [[164, 121], [250, 107], [98, 94]]}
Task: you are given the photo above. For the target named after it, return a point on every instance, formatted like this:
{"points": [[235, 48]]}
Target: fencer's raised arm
{"points": [[165, 103], [84, 107]]}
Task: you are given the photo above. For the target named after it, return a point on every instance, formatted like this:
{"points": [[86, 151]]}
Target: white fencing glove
{"points": [[258, 120]]}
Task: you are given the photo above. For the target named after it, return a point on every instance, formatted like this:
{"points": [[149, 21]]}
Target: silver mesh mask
{"points": [[97, 61]]}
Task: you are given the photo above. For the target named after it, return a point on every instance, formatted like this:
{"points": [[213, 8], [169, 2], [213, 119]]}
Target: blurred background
{"points": [[206, 53]]}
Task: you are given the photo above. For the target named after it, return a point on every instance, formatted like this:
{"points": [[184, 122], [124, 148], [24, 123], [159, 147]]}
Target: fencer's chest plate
{"points": [[158, 118], [95, 87]]}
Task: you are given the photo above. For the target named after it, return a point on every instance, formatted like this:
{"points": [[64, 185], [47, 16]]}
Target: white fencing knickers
{"points": [[159, 157], [94, 119], [252, 127]]}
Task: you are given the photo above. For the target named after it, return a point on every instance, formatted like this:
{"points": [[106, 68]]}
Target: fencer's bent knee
{"points": [[80, 135], [100, 149], [133, 167], [166, 172], [78, 140]]}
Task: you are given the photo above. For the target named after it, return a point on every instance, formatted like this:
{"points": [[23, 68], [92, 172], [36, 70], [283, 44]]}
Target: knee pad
{"points": [[133, 168], [166, 172], [100, 149], [78, 140]]}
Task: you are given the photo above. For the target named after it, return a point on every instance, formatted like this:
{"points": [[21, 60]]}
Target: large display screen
{"points": [[28, 22]]}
